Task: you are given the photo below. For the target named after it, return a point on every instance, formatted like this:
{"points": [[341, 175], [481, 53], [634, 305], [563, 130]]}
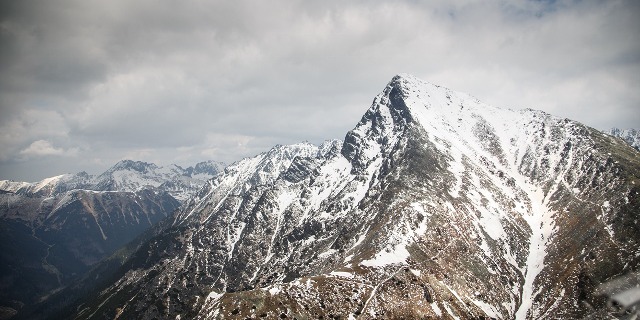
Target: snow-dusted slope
{"points": [[436, 205]]}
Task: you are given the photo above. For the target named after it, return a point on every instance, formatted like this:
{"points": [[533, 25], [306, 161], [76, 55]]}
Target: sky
{"points": [[84, 84]]}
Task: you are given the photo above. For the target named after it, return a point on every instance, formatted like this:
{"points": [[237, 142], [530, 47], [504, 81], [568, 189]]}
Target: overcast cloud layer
{"points": [[84, 84]]}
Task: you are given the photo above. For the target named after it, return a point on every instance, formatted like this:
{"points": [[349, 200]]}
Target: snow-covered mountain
{"points": [[49, 186], [436, 205], [181, 183], [631, 136], [125, 176]]}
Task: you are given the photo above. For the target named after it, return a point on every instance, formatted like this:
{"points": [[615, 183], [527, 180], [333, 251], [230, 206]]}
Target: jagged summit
{"points": [[139, 166], [209, 167], [407, 82], [455, 122], [261, 170]]}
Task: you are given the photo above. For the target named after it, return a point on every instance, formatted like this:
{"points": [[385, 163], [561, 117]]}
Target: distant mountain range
{"points": [[125, 176], [435, 206], [56, 229], [630, 136]]}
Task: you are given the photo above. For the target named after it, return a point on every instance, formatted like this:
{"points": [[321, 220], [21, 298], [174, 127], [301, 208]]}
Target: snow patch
{"points": [[541, 230], [488, 309], [327, 253], [383, 258], [420, 208], [274, 290], [212, 296], [456, 167], [404, 235], [450, 312], [436, 309], [341, 274]]}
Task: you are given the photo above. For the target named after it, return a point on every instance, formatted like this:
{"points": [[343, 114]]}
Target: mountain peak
{"points": [[409, 85], [383, 122], [139, 166], [408, 80], [410, 98], [208, 167], [406, 101]]}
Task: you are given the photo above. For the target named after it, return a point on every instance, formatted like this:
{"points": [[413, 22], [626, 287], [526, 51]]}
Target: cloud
{"points": [[182, 81], [42, 148]]}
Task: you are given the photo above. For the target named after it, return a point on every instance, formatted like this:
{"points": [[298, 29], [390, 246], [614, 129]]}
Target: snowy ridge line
{"points": [[125, 176]]}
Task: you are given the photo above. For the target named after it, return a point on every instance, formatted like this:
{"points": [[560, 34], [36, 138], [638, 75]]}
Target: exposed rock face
{"points": [[435, 206]]}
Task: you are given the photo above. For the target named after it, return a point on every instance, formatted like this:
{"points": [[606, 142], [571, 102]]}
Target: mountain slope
{"points": [[56, 229], [435, 205], [45, 243]]}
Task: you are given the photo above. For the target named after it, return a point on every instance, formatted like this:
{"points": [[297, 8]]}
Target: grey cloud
{"points": [[44, 148], [195, 80]]}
